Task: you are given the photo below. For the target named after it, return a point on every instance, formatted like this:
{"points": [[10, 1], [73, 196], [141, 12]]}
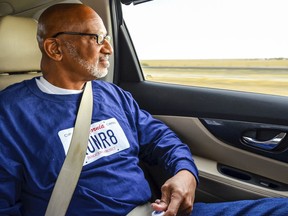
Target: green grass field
{"points": [[268, 76]]}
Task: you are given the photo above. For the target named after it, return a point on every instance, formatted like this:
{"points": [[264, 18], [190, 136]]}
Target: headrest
{"points": [[19, 50]]}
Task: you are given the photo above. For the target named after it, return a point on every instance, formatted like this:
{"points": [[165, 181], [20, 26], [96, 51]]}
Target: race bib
{"points": [[106, 138]]}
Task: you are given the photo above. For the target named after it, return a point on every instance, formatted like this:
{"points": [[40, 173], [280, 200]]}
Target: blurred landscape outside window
{"points": [[226, 44]]}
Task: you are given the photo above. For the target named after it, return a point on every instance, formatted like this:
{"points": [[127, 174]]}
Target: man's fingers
{"points": [[159, 205], [174, 205]]}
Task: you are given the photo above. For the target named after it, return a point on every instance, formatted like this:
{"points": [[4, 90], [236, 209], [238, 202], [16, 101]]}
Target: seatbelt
{"points": [[72, 166], [142, 210]]}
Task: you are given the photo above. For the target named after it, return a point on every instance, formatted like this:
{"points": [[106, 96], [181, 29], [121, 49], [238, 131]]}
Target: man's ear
{"points": [[53, 49]]}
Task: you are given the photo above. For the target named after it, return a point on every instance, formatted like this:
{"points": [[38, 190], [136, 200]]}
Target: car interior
{"points": [[239, 140]]}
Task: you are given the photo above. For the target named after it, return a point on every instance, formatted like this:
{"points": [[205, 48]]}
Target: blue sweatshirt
{"points": [[35, 134]]}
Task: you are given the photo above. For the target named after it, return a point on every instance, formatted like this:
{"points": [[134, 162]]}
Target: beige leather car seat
{"points": [[19, 52]]}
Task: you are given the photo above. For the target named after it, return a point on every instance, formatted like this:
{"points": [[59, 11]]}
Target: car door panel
{"points": [[186, 110]]}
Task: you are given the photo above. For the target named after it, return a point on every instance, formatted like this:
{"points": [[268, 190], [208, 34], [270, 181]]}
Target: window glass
{"points": [[227, 44]]}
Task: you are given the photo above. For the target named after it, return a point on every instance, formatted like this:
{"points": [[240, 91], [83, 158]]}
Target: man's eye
{"points": [[100, 38]]}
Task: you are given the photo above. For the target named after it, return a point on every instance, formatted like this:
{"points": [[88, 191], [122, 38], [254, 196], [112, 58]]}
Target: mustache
{"points": [[104, 58]]}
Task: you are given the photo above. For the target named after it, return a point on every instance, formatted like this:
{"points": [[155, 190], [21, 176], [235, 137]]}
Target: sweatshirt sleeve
{"points": [[9, 186], [159, 145], [10, 170]]}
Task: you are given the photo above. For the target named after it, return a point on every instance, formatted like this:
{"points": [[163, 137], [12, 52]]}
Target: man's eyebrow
{"points": [[103, 32]]}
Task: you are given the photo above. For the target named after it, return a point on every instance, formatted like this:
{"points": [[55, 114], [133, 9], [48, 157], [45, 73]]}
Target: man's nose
{"points": [[107, 48]]}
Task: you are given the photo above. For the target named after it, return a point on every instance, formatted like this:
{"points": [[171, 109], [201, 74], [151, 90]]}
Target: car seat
{"points": [[19, 53]]}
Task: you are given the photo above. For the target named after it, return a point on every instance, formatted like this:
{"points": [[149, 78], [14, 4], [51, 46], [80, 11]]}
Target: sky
{"points": [[209, 29]]}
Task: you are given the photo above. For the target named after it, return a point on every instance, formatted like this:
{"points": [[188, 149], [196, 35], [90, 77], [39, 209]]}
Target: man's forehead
{"points": [[90, 25]]}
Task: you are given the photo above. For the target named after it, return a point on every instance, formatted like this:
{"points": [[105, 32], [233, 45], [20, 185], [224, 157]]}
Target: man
{"points": [[38, 117], [42, 112]]}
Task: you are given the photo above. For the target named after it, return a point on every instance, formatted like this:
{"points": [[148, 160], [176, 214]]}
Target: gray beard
{"points": [[93, 69]]}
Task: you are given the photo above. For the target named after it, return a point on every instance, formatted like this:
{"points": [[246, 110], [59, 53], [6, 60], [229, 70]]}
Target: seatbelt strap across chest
{"points": [[71, 169]]}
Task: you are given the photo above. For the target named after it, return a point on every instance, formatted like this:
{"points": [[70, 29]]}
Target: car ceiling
{"points": [[16, 7]]}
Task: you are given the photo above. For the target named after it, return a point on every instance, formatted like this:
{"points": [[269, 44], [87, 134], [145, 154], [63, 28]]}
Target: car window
{"points": [[226, 44]]}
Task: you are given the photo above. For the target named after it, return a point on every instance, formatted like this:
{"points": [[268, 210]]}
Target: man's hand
{"points": [[178, 195]]}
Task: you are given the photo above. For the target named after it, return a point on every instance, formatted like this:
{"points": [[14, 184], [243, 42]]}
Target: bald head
{"points": [[64, 17]]}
